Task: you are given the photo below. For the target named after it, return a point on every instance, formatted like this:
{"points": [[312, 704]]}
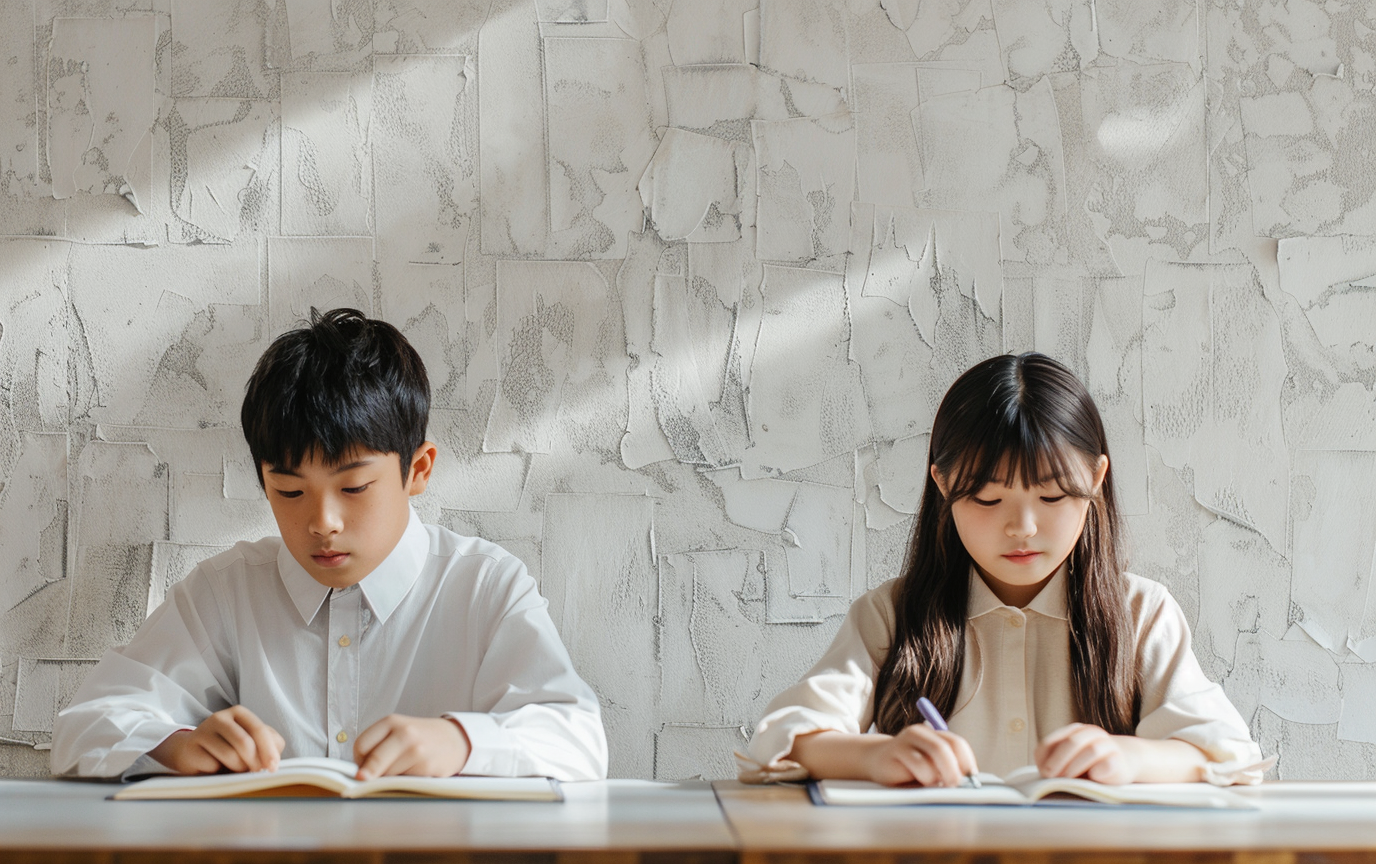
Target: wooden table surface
{"points": [[1296, 822], [620, 820], [638, 822]]}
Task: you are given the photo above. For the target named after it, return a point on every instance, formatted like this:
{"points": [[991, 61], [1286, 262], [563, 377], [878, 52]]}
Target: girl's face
{"points": [[1018, 536]]}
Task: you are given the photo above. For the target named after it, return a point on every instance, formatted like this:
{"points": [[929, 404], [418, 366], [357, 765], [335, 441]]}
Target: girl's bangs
{"points": [[1024, 455]]}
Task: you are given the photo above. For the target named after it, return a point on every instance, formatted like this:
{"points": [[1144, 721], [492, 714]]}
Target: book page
{"points": [[332, 775], [1029, 782], [865, 793], [490, 788]]}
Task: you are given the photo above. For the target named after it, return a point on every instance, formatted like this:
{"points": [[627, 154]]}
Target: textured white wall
{"points": [[690, 278]]}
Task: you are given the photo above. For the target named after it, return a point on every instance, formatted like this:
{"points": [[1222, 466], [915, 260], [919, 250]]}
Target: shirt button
{"points": [[1016, 726], [343, 641], [342, 737], [1015, 621]]}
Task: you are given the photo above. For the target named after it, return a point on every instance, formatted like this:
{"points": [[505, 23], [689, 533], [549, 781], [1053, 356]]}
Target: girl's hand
{"points": [[921, 754], [1082, 750]]}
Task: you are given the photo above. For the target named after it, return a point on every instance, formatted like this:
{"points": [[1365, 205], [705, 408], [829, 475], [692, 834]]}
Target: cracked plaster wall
{"points": [[690, 278]]}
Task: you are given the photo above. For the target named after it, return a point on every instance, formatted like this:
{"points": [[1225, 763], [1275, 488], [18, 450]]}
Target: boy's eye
{"points": [[289, 493], [354, 490]]}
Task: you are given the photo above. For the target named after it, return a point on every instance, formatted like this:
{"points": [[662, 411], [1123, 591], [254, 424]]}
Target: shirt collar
{"points": [[1049, 602], [383, 589]]}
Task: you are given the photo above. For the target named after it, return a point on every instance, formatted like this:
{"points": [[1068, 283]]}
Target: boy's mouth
{"points": [[330, 559]]}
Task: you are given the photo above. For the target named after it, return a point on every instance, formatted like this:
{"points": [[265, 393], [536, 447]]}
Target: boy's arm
{"points": [[165, 680], [534, 715]]}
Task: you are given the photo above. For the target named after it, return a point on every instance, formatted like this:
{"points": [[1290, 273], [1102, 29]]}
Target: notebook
{"points": [[1026, 786], [318, 777]]}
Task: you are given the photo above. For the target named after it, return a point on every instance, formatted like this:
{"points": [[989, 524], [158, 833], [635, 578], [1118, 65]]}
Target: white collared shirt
{"points": [[1015, 687], [445, 626]]}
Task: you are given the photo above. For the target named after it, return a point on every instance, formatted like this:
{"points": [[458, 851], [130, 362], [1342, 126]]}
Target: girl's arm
{"points": [[1081, 750], [917, 754]]}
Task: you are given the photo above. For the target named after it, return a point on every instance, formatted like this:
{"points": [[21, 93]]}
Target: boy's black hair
{"points": [[345, 381]]}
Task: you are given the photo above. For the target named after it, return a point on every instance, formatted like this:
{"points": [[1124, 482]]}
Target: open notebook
{"points": [[1026, 786], [317, 777]]}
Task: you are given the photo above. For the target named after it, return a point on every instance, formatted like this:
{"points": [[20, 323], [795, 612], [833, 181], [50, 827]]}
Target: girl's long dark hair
{"points": [[1023, 417]]}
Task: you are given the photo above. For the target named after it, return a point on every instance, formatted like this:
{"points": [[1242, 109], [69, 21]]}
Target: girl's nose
{"points": [[1022, 524]]}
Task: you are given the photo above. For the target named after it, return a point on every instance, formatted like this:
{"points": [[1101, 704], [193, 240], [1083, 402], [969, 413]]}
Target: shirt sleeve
{"points": [[1180, 702], [167, 678], [535, 716], [837, 694]]}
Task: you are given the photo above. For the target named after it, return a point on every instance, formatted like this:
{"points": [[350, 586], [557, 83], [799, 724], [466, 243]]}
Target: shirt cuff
{"points": [[492, 752]]}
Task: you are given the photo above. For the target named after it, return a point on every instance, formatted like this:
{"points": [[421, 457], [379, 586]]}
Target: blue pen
{"points": [[935, 720]]}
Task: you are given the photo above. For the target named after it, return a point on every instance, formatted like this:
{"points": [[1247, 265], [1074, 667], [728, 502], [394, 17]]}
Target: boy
{"points": [[359, 633]]}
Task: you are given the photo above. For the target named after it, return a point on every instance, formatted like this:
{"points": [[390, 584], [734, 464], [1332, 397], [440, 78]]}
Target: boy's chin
{"points": [[341, 576]]}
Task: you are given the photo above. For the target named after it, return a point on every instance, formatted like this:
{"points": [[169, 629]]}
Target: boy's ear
{"points": [[422, 463]]}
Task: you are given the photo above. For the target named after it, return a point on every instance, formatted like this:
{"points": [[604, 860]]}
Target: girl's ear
{"points": [[1100, 471], [939, 480]]}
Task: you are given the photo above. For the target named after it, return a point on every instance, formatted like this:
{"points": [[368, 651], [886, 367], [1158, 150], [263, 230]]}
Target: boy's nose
{"points": [[325, 521]]}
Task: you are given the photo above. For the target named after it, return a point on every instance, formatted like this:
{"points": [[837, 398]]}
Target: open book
{"points": [[318, 777], [1026, 786]]}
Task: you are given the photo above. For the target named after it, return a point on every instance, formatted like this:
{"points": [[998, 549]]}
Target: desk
{"points": [[635, 822], [1296, 822], [625, 821]]}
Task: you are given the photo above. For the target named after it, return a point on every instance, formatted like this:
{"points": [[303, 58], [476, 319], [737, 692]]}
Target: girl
{"points": [[1014, 616]]}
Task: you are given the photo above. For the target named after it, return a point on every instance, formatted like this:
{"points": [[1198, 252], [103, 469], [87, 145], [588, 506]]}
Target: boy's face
{"points": [[340, 521]]}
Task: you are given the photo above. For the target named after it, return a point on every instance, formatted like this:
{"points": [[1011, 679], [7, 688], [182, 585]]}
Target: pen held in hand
{"points": [[937, 722]]}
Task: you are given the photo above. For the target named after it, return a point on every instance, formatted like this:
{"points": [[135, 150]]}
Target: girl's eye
{"points": [[289, 493], [354, 490], [981, 502], [1052, 499]]}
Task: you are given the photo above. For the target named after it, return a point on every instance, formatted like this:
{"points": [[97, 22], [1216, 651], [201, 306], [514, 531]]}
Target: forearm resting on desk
{"points": [[916, 754]]}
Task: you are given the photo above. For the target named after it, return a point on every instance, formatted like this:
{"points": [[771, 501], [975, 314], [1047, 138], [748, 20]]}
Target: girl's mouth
{"points": [[1021, 556]]}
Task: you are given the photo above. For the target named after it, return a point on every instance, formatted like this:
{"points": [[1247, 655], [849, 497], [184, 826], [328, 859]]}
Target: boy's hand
{"points": [[920, 753], [232, 740], [419, 746], [1082, 750]]}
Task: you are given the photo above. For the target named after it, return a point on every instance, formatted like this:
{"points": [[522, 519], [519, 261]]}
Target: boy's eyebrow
{"points": [[357, 463]]}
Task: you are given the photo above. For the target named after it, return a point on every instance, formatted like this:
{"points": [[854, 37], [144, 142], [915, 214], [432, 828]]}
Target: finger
{"points": [[269, 745], [919, 768], [965, 757], [372, 736], [239, 738], [1090, 755], [379, 760], [1050, 741], [265, 747], [943, 758], [196, 760], [224, 753], [1067, 751]]}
